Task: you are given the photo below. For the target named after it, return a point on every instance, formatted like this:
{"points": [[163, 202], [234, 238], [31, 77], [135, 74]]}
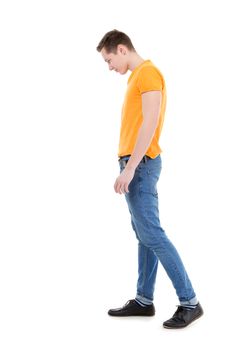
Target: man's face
{"points": [[116, 62]]}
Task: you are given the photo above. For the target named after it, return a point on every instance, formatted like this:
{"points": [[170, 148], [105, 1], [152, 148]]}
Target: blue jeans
{"points": [[153, 243]]}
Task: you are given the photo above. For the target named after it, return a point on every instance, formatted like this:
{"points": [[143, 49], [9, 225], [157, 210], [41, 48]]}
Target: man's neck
{"points": [[134, 61]]}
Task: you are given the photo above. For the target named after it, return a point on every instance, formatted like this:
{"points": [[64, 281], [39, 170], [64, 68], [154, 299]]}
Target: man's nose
{"points": [[110, 68]]}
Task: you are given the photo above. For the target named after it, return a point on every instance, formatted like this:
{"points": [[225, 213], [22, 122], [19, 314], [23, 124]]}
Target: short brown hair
{"points": [[112, 39]]}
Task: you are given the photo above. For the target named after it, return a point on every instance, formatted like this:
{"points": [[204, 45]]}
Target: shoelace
{"points": [[180, 312], [128, 302]]}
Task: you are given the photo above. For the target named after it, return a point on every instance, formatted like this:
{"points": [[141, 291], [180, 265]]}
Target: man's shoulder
{"points": [[150, 67], [150, 70]]}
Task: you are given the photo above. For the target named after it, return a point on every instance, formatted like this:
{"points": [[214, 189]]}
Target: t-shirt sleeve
{"points": [[149, 79]]}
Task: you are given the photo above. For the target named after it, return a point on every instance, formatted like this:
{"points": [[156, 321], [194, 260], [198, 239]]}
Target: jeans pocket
{"points": [[122, 167], [148, 181]]}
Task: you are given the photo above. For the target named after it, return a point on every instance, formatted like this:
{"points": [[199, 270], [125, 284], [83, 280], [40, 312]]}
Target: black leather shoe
{"points": [[183, 317], [132, 308]]}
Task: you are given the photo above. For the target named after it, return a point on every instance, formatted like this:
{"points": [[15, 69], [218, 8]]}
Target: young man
{"points": [[140, 166]]}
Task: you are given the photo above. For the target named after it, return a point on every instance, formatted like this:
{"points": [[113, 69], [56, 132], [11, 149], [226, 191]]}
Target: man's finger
{"points": [[122, 190], [118, 187]]}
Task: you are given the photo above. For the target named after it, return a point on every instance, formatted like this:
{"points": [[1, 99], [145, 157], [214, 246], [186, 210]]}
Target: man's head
{"points": [[116, 47]]}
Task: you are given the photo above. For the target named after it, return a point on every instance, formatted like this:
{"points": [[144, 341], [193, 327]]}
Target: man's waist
{"points": [[124, 159]]}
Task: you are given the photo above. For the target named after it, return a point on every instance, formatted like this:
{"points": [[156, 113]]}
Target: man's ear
{"points": [[121, 50]]}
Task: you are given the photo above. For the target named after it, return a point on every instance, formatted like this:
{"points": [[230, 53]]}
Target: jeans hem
{"points": [[144, 299]]}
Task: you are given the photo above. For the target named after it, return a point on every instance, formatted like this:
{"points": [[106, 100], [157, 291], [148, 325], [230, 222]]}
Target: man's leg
{"points": [[142, 305], [147, 271]]}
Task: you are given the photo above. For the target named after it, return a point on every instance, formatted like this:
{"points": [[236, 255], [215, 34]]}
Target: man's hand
{"points": [[123, 180]]}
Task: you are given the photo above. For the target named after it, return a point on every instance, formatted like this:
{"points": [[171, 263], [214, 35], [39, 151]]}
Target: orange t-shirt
{"points": [[145, 77]]}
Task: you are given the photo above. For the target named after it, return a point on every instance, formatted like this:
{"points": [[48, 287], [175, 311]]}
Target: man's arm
{"points": [[151, 103]]}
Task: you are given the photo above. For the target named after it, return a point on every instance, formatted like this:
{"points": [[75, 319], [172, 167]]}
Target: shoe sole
{"points": [[131, 315]]}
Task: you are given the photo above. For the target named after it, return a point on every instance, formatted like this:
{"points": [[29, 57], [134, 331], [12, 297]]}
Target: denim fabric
{"points": [[153, 243]]}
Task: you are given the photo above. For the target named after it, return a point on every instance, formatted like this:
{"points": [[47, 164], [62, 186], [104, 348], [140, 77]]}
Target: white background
{"points": [[67, 250]]}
